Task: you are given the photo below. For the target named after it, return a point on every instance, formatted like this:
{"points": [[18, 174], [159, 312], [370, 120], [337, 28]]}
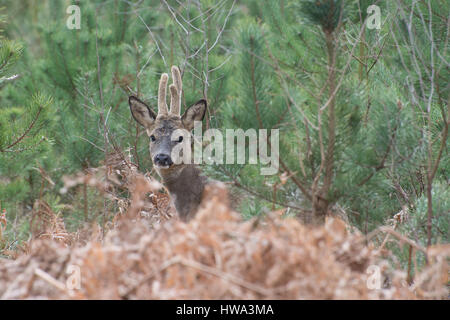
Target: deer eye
{"points": [[152, 137], [180, 139]]}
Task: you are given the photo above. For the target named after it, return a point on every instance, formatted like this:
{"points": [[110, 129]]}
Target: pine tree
{"points": [[363, 121], [23, 130], [19, 125], [354, 151]]}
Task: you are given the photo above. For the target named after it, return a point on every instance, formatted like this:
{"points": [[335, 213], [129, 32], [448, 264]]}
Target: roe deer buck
{"points": [[183, 181]]}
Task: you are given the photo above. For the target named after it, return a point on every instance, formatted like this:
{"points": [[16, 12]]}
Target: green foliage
{"points": [[326, 13], [260, 64], [10, 52], [416, 224], [22, 130]]}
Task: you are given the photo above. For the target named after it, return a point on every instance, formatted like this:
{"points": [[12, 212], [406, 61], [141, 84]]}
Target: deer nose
{"points": [[163, 159]]}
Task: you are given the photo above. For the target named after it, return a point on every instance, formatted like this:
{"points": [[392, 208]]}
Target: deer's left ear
{"points": [[196, 112]]}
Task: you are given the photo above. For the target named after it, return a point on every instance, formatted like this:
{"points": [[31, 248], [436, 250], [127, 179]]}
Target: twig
{"points": [[26, 131], [153, 37], [397, 235], [164, 266], [52, 281], [226, 276], [223, 27]]}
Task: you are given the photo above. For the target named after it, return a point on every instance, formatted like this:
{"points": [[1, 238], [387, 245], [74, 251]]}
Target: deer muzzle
{"points": [[162, 160]]}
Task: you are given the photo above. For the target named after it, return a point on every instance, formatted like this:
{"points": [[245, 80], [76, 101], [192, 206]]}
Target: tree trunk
{"points": [[321, 203]]}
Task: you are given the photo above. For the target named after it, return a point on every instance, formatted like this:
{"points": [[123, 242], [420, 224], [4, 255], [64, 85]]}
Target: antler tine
{"points": [[174, 99], [175, 107], [162, 92]]}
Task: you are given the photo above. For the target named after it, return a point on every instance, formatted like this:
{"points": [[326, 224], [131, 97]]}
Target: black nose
{"points": [[163, 159]]}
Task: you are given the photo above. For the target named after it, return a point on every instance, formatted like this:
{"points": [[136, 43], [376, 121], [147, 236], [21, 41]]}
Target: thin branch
{"points": [[154, 40], [223, 27], [26, 131]]}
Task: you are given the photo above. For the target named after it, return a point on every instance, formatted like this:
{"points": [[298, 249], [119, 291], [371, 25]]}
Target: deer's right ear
{"points": [[141, 112]]}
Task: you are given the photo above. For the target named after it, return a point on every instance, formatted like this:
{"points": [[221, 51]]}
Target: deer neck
{"points": [[185, 185]]}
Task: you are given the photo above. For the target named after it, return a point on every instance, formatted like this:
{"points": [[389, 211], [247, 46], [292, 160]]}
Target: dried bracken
{"points": [[215, 256], [3, 222], [46, 224], [147, 253]]}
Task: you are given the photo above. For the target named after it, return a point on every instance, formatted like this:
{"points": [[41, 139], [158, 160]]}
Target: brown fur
{"points": [[183, 181]]}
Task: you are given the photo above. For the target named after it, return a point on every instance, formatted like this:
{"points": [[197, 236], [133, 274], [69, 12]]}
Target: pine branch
{"points": [[26, 131]]}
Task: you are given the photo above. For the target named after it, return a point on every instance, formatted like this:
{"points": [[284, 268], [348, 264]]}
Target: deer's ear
{"points": [[141, 112], [196, 112]]}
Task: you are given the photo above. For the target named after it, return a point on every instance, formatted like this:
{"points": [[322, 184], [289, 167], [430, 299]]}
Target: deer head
{"points": [[161, 127]]}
